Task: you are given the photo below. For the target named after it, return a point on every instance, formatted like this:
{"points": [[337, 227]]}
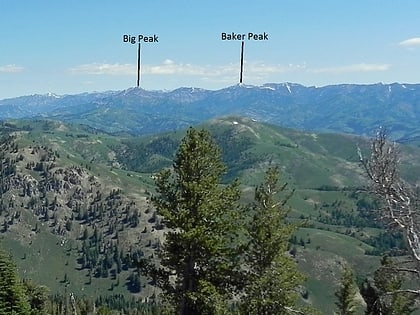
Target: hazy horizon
{"points": [[69, 48]]}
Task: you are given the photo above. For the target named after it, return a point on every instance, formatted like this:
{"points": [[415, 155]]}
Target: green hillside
{"points": [[75, 216]]}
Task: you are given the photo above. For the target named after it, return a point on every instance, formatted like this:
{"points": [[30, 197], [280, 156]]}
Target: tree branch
{"points": [[292, 310], [415, 292]]}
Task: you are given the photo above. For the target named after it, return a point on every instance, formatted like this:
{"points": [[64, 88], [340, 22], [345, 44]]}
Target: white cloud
{"points": [[168, 62], [257, 71], [170, 67], [11, 69], [359, 67], [267, 69], [104, 69], [411, 42]]}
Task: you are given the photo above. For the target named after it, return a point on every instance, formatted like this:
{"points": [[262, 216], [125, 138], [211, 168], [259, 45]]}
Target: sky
{"points": [[68, 47]]}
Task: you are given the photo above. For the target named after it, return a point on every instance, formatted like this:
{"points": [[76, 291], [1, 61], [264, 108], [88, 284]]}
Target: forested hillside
{"points": [[75, 213], [345, 108]]}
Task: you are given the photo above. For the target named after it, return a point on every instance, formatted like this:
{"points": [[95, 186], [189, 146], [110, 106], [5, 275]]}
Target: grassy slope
{"points": [[307, 162], [48, 258]]}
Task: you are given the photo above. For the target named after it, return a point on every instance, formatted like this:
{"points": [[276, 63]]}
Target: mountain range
{"points": [[78, 170], [345, 108]]}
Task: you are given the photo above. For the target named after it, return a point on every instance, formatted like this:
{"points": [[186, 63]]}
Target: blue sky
{"points": [[76, 46]]}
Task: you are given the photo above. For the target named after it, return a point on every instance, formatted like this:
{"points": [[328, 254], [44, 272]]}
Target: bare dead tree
{"points": [[400, 207], [73, 303]]}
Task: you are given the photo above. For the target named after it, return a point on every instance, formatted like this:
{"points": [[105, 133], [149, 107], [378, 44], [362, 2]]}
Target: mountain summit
{"points": [[345, 108]]}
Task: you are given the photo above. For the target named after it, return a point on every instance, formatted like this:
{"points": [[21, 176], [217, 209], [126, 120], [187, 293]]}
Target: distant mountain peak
{"points": [[49, 94], [345, 108]]}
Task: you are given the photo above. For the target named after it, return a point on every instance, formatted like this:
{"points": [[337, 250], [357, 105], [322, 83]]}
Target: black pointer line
{"points": [[242, 62], [138, 66]]}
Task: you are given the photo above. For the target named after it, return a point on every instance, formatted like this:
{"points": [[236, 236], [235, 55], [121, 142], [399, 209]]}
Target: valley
{"points": [[75, 213]]}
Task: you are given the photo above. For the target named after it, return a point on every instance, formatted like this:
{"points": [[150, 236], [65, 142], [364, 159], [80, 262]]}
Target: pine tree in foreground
{"points": [[199, 258], [272, 275], [346, 295], [385, 295], [12, 297], [37, 297]]}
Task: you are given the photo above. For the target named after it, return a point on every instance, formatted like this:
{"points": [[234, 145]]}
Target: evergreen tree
{"points": [[12, 297], [198, 258], [369, 292], [37, 297], [346, 302], [382, 297], [272, 275], [103, 310]]}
